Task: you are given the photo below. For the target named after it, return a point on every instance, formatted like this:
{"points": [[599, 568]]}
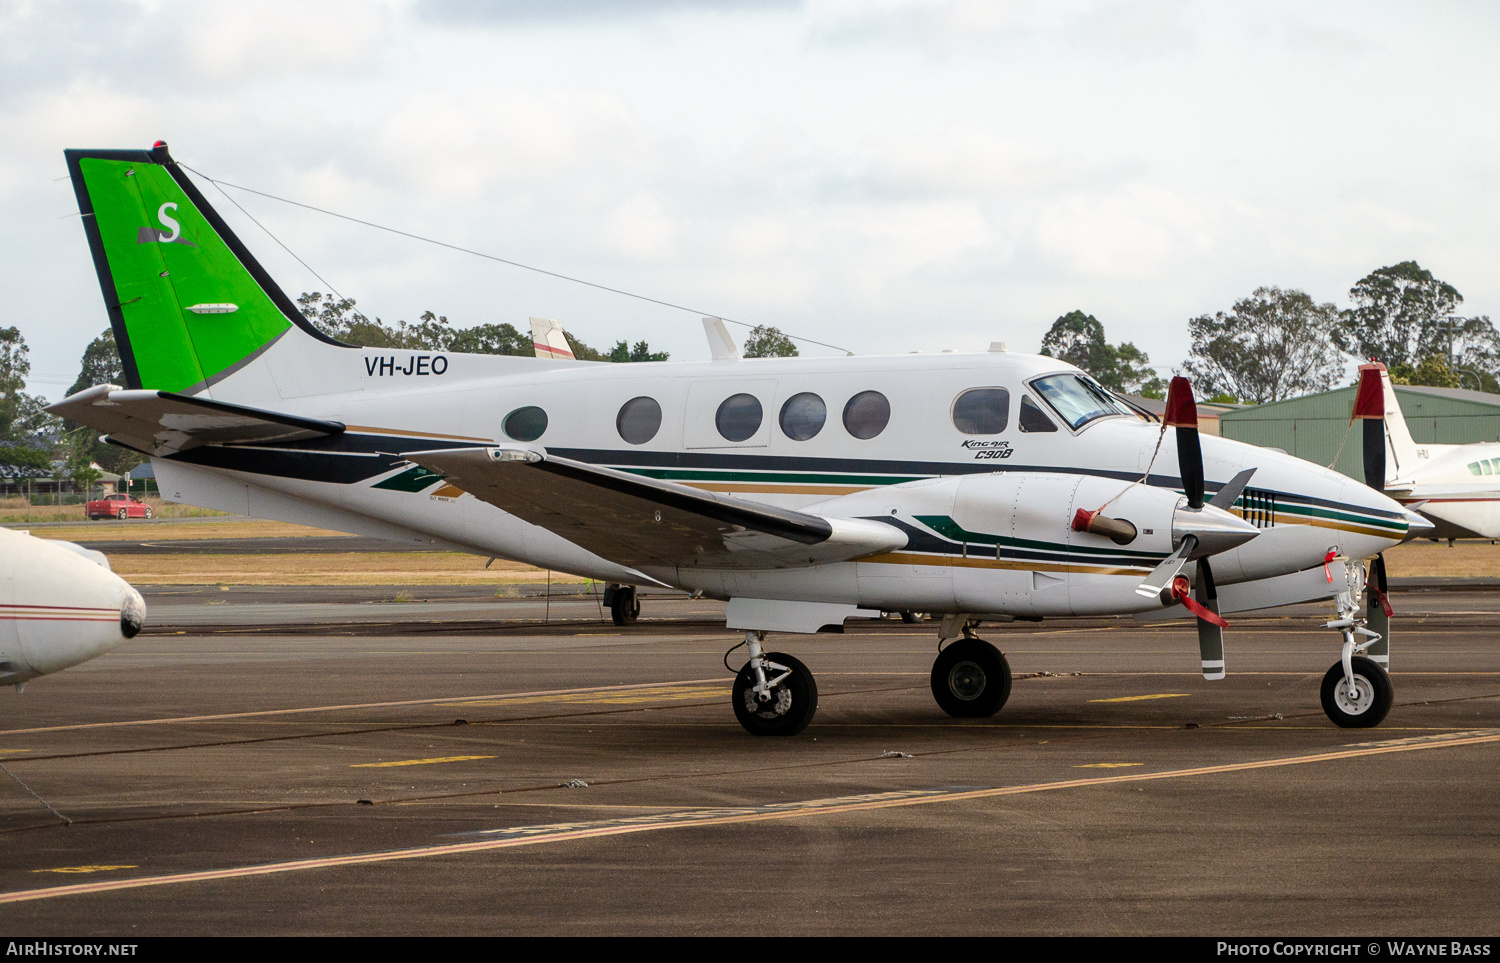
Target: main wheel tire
{"points": [[1368, 704], [971, 679], [625, 606], [791, 706]]}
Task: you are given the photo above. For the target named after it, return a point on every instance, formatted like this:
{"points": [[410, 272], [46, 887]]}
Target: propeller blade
{"points": [[1369, 407], [1378, 613], [1161, 576], [1210, 633], [1182, 414], [1226, 497]]}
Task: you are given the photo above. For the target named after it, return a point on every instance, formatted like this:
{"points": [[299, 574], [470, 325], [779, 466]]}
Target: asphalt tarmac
{"points": [[303, 761]]}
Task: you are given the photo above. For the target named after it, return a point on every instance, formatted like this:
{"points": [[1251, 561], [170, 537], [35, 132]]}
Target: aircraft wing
{"points": [[648, 523], [164, 423]]}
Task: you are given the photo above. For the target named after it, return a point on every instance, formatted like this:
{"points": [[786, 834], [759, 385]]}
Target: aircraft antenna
{"points": [[464, 250]]}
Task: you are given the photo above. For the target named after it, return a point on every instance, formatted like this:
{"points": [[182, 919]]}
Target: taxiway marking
{"points": [[500, 699], [1142, 698], [568, 832], [634, 697], [415, 762], [83, 869]]}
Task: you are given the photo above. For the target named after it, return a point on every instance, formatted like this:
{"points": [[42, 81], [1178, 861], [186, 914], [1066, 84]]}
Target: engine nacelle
{"points": [[59, 605], [1013, 542]]}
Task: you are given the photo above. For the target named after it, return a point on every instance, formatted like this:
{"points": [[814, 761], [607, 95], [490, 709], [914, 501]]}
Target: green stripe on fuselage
{"points": [[948, 528]]}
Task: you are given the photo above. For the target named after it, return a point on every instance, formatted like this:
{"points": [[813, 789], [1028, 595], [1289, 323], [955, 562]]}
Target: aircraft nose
{"points": [[1216, 530], [1416, 526], [132, 614]]}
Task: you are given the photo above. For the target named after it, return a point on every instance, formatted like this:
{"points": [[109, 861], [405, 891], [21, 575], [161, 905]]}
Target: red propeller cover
{"points": [[1182, 412], [1370, 400]]}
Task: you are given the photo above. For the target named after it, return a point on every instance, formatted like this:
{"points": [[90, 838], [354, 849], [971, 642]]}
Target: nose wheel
{"points": [[1359, 699], [971, 679]]}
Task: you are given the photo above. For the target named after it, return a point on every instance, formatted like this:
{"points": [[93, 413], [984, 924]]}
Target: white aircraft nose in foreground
{"points": [[802, 491], [59, 605]]}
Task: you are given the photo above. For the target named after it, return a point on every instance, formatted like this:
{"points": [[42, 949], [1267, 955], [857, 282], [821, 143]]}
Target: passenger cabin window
{"points": [[738, 417], [1077, 399], [981, 411], [867, 414], [525, 424], [639, 420], [803, 416], [1033, 418]]}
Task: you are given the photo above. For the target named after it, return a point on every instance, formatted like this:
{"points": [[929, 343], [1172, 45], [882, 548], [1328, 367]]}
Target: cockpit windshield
{"points": [[1077, 399]]}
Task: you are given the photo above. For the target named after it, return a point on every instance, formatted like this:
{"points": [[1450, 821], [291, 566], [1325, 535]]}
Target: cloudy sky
{"points": [[882, 175]]}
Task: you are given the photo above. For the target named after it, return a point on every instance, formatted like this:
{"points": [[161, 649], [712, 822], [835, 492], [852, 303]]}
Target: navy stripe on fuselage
{"points": [[278, 461]]}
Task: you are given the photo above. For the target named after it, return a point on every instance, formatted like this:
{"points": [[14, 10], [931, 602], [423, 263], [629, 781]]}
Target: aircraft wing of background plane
{"points": [[164, 423], [647, 523]]}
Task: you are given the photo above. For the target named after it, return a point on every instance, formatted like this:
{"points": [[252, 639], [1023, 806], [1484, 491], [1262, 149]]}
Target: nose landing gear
{"points": [[1357, 698], [1357, 693]]}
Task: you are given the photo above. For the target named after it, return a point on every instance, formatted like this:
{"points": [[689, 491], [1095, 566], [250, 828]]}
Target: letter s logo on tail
{"points": [[169, 222]]}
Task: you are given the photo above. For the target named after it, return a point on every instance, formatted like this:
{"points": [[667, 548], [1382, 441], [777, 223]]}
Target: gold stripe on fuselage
{"points": [[1022, 565]]}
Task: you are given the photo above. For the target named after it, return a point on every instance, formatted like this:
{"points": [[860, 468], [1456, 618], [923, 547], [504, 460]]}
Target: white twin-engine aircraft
{"points": [[802, 491], [1456, 487], [59, 605]]}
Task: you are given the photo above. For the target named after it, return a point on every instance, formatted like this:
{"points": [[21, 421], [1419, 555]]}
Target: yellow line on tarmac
{"points": [[499, 698], [415, 762], [568, 832], [1142, 698], [83, 869]]}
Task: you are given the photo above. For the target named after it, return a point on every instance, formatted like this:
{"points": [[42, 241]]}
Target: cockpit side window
{"points": [[1033, 418], [1077, 399]]}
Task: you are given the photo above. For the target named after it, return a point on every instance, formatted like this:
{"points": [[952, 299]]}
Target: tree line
{"points": [[1277, 344]]}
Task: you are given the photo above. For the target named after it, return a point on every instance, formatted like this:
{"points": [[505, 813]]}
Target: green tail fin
{"points": [[188, 302]]}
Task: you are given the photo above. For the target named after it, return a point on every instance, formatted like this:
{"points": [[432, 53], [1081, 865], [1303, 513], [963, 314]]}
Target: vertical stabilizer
{"points": [[188, 303], [548, 339], [720, 344], [1400, 450]]}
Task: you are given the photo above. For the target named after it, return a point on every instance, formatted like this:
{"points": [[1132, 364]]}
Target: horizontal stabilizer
{"points": [[647, 523], [163, 423]]}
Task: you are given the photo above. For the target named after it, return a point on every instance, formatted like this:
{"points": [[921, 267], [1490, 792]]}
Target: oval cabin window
{"points": [[803, 416], [981, 411], [639, 420], [867, 414], [738, 417], [525, 424]]}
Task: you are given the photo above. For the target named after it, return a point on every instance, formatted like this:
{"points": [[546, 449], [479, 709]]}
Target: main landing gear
{"points": [[774, 694], [970, 678], [1357, 692], [624, 606]]}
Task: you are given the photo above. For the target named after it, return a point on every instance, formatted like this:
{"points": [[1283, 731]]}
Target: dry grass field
{"points": [[166, 530], [1474, 559], [16, 511], [352, 568]]}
